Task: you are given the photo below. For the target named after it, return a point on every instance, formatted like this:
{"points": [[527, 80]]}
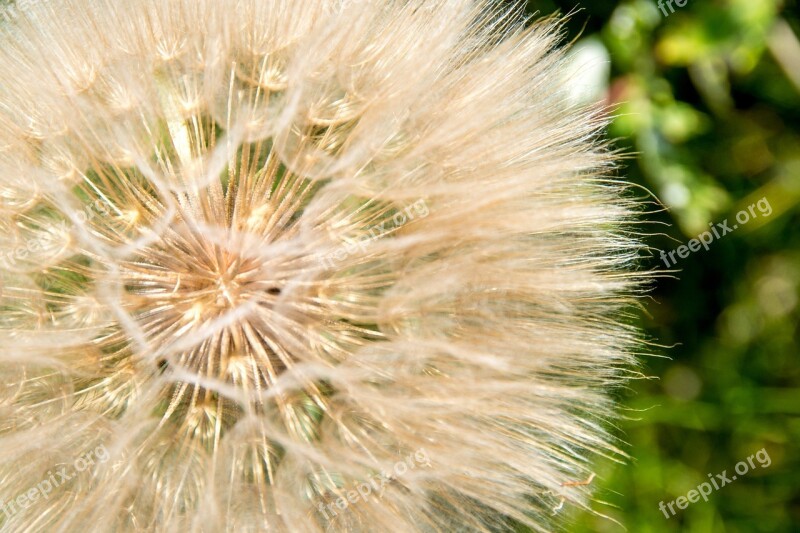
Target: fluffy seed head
{"points": [[302, 266]]}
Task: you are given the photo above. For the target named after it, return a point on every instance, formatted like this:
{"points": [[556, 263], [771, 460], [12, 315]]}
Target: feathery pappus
{"points": [[279, 265]]}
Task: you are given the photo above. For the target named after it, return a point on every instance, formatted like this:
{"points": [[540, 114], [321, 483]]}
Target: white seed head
{"points": [[264, 252]]}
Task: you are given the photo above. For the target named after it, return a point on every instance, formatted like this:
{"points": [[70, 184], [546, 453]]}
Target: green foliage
{"points": [[708, 98]]}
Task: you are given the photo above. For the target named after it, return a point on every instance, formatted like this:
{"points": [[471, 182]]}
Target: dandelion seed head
{"points": [[265, 251]]}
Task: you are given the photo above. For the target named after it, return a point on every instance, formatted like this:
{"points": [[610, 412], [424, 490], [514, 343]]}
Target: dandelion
{"points": [[264, 251]]}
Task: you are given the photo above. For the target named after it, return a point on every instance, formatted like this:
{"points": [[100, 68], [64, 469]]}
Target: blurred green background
{"points": [[709, 102]]}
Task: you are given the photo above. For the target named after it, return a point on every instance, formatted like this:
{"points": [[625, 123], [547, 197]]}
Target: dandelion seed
{"points": [[212, 301]]}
